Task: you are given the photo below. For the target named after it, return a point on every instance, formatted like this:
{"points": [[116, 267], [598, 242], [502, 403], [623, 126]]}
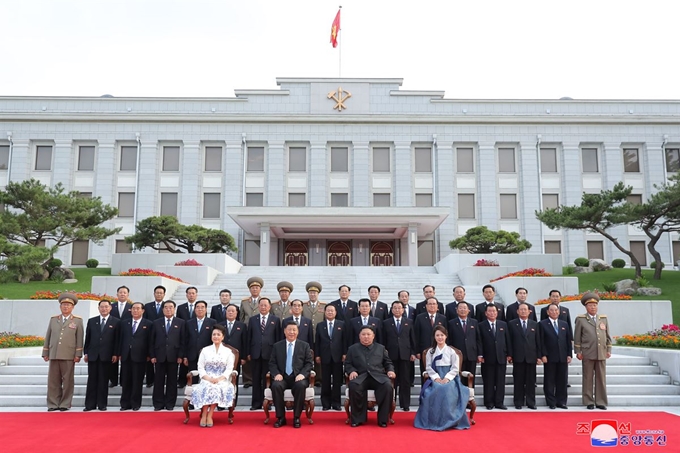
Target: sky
{"points": [[472, 49]]}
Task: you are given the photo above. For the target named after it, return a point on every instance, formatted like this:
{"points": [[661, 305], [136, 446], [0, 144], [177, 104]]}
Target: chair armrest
{"points": [[312, 378], [268, 380], [190, 375]]}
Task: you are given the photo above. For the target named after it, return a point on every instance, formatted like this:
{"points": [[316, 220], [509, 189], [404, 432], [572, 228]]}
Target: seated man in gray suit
{"points": [[290, 365], [369, 367]]}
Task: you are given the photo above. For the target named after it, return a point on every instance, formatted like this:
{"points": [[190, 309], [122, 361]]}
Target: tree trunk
{"points": [[654, 238], [633, 260]]}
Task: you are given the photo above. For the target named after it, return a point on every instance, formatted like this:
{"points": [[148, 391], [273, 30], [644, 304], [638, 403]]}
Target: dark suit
{"points": [[330, 351], [556, 347], [134, 352], [563, 316], [183, 311], [238, 338], [452, 310], [467, 341], [480, 313], [423, 330], [381, 311], [100, 346], [195, 341], [371, 363], [260, 350], [127, 314], [421, 307], [217, 312], [302, 363], [495, 350], [166, 348], [151, 314], [351, 310], [525, 350], [305, 330], [356, 324], [401, 345], [511, 312]]}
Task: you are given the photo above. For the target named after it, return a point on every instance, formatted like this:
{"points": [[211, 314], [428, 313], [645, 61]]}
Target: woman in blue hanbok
{"points": [[215, 365], [443, 398]]}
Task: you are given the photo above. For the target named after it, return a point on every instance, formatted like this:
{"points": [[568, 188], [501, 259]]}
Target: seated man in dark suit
{"points": [[369, 367], [290, 365]]}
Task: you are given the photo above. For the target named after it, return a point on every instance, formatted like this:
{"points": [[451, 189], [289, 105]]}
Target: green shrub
{"points": [[643, 282], [618, 263], [91, 263], [567, 270], [582, 262], [653, 265], [53, 264], [609, 287]]}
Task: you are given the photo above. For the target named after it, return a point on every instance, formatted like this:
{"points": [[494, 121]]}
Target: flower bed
{"points": [[668, 336], [610, 295], [148, 273], [14, 340], [47, 295], [529, 272], [486, 263], [189, 262]]}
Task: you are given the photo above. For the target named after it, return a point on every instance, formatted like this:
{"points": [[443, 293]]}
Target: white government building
{"points": [[345, 171]]}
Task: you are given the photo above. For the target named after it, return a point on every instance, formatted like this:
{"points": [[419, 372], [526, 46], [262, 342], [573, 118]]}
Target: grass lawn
{"points": [[25, 291], [669, 284]]}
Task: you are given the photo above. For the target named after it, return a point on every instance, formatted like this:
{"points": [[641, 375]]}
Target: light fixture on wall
{"points": [[413, 238], [264, 237], [317, 248], [361, 248]]}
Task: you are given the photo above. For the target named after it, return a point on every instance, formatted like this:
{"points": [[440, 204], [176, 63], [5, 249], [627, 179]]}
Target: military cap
{"points": [[285, 285], [313, 286], [590, 297], [257, 281], [68, 297]]}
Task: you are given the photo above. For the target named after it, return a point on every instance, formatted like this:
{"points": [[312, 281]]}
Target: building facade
{"points": [[345, 171]]}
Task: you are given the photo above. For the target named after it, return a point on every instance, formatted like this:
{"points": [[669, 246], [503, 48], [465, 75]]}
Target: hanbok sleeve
{"points": [[428, 366], [201, 363], [453, 371]]}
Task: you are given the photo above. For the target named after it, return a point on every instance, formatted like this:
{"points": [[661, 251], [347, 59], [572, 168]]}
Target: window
{"points": [[506, 160], [86, 158], [297, 159], [548, 160], [631, 160], [551, 201], [466, 206], [508, 206], [171, 158], [464, 160], [211, 205], [123, 247], [672, 160], [4, 157], [43, 158], [423, 158], [638, 249], [634, 198], [213, 158], [80, 252], [595, 250], [589, 158], [128, 158], [255, 199], [85, 194], [554, 247], [169, 203], [340, 160], [381, 159], [339, 199], [296, 199], [381, 200], [126, 204], [423, 200], [256, 158]]}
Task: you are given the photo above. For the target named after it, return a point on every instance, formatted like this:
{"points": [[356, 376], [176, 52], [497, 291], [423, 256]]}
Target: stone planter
{"points": [[538, 287], [481, 275], [194, 275], [141, 288], [6, 353]]}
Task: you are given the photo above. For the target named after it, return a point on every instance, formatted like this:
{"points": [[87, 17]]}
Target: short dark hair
{"points": [[123, 287], [225, 291], [265, 298], [191, 287], [428, 286], [202, 302], [554, 291], [488, 286], [363, 299], [232, 305], [289, 322], [403, 291], [524, 303], [168, 302], [374, 286], [553, 305], [160, 287], [367, 327], [329, 305], [221, 328], [490, 306], [104, 300], [297, 300], [520, 289], [459, 286], [395, 303], [138, 303], [344, 286], [437, 300]]}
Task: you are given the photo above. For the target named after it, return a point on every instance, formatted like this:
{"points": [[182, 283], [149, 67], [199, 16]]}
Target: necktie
{"points": [[121, 309], [555, 326], [330, 330], [524, 326], [231, 324], [431, 320], [373, 309], [191, 310], [464, 326], [344, 307], [493, 329], [365, 321], [289, 359], [297, 320], [264, 323], [134, 327], [158, 308], [224, 311], [167, 326], [200, 324], [63, 320], [103, 324], [398, 326]]}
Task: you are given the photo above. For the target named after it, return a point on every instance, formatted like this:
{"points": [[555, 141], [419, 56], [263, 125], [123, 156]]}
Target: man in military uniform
{"points": [[314, 310], [63, 349], [249, 308], [593, 346], [281, 307]]}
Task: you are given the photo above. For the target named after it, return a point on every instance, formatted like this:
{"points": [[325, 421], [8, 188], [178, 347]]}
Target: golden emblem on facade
{"points": [[339, 96]]}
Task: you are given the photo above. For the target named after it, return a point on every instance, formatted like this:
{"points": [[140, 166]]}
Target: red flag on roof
{"points": [[335, 29]]}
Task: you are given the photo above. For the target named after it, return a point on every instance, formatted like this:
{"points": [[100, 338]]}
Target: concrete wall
{"points": [[668, 359], [481, 275], [453, 263], [194, 275], [30, 317], [121, 262], [141, 288]]}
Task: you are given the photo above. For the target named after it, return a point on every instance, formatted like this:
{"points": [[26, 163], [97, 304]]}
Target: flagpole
{"points": [[339, 50]]}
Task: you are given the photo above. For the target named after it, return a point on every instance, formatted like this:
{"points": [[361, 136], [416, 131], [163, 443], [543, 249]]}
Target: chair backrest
{"points": [[235, 352]]}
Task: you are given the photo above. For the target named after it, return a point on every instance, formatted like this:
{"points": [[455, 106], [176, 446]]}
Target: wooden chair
{"points": [[472, 404], [288, 398], [371, 402], [188, 390]]}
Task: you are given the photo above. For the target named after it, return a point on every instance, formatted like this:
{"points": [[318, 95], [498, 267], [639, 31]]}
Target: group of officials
{"points": [[366, 339]]}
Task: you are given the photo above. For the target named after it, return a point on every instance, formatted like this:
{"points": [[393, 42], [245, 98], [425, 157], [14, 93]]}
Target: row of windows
{"points": [[339, 159]]}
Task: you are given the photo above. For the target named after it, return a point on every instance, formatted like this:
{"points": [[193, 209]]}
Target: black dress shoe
{"points": [[562, 406], [64, 409], [336, 408], [88, 409], [502, 407], [191, 407], [255, 408], [382, 425], [247, 386], [590, 407], [124, 409], [489, 408], [52, 409], [103, 409], [296, 423], [532, 407], [406, 409], [354, 425], [372, 409], [279, 422], [518, 407], [169, 408], [156, 409], [325, 408], [135, 408], [552, 407], [599, 406]]}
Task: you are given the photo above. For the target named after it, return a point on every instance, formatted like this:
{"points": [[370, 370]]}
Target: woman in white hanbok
{"points": [[215, 365]]}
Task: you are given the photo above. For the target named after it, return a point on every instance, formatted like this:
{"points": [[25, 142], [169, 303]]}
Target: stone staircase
{"points": [[632, 381]]}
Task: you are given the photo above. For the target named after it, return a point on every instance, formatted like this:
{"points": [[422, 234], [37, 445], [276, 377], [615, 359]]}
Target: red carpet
{"points": [[145, 431]]}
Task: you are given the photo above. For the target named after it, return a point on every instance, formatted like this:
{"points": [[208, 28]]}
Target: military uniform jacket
{"points": [[64, 341], [248, 309], [591, 338], [316, 315], [280, 311]]}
